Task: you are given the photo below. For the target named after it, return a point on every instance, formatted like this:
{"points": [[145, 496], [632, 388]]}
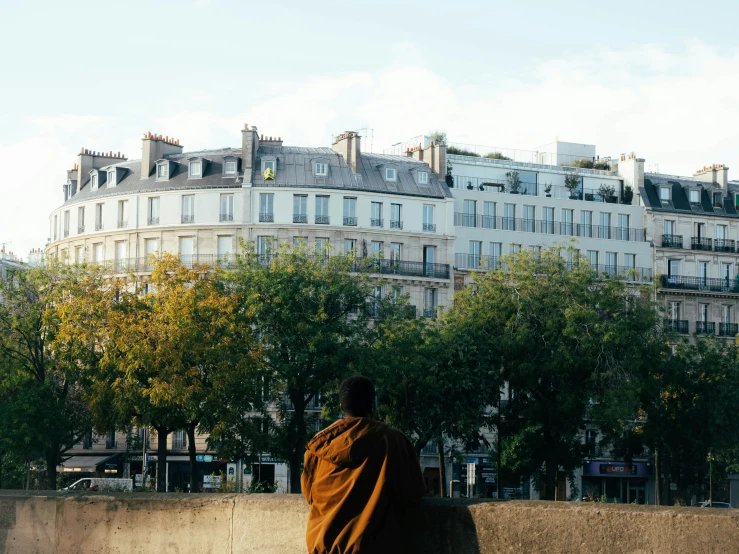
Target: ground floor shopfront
{"points": [[618, 482]]}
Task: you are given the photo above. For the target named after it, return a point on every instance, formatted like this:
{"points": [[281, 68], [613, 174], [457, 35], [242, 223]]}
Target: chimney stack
{"points": [[434, 156], [714, 173], [249, 147], [348, 145], [153, 148]]}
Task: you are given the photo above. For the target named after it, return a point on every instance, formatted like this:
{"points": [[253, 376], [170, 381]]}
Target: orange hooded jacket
{"points": [[358, 474]]}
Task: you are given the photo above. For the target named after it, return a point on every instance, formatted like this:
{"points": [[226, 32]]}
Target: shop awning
{"points": [[83, 463]]}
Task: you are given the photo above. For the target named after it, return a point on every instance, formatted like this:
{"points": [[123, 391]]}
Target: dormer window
{"points": [[664, 194], [390, 174], [229, 166], [268, 164], [196, 169], [321, 169], [695, 197], [162, 170], [423, 177], [111, 178], [94, 181], [269, 168]]}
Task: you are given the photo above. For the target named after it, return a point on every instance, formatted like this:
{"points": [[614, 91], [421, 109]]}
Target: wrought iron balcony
{"points": [[728, 329], [429, 312], [724, 245], [66, 233], [700, 243], [322, 220], [80, 229], [99, 226], [376, 222], [398, 267], [266, 218], [229, 217], [396, 224], [705, 328], [430, 227], [153, 220], [677, 325], [300, 218], [188, 219], [672, 241], [122, 223], [350, 221], [711, 284]]}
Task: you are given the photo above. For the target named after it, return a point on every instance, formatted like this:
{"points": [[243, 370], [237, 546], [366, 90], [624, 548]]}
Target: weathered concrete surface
{"points": [[63, 523]]}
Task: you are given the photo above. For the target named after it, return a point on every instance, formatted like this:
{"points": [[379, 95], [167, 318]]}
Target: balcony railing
{"points": [[398, 267], [300, 218], [266, 218], [429, 312], [133, 265], [728, 329], [80, 229], [700, 243], [122, 223], [350, 221], [322, 220], [99, 226], [532, 189], [724, 245], [430, 227], [486, 263], [66, 232], [227, 217], [153, 220], [375, 222], [705, 328], [677, 325], [548, 227], [396, 224], [672, 241], [711, 284], [188, 219]]}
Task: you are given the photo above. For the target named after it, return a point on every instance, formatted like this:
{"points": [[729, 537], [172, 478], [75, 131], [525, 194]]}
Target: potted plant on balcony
{"points": [[514, 181], [628, 194], [607, 192], [548, 189], [589, 196], [572, 182], [469, 185], [449, 178]]}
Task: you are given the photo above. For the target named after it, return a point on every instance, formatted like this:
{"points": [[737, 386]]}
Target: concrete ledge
{"points": [[139, 523]]}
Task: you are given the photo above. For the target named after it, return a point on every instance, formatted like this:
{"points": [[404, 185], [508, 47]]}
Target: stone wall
{"points": [[140, 523]]}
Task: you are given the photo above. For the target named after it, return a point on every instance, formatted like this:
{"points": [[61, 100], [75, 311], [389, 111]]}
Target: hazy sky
{"points": [[657, 78]]}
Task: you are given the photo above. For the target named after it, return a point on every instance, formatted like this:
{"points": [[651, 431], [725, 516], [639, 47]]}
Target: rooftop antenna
{"points": [[371, 133]]}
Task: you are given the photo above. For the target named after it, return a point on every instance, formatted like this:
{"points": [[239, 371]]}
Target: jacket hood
{"points": [[348, 442]]}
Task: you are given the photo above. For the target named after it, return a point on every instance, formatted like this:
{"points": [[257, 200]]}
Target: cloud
{"points": [[676, 108]]}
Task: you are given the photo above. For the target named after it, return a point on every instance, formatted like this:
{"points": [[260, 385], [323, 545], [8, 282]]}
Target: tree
{"points": [[569, 341], [438, 137], [41, 392], [169, 355], [308, 308], [434, 378]]}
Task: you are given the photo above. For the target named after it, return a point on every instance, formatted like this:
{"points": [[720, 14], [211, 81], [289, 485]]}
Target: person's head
{"points": [[357, 397]]}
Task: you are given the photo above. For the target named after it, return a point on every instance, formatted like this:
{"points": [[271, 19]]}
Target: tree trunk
{"points": [[52, 460], [550, 482], [298, 449], [442, 467], [656, 477], [194, 477], [162, 459]]}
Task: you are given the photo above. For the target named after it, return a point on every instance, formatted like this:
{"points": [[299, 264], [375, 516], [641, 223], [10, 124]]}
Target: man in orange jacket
{"points": [[358, 475]]}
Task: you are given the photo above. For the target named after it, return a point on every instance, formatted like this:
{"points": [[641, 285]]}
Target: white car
{"points": [[715, 505], [95, 484]]}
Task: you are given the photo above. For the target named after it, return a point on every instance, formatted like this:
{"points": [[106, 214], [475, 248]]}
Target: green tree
{"points": [[309, 312], [41, 392], [570, 343]]}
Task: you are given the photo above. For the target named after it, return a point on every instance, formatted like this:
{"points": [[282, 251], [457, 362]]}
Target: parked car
{"points": [[715, 505], [93, 484]]}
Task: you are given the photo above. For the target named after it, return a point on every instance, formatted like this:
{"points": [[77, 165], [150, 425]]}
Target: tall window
{"points": [[726, 274], [669, 227], [66, 223], [187, 250], [97, 253], [153, 211], [225, 248], [721, 232], [322, 210], [703, 312], [81, 219], [300, 208], [496, 251], [529, 218], [605, 226], [611, 262], [593, 258], [350, 211], [121, 252], [94, 182], [376, 248], [429, 259], [151, 247], [428, 218], [98, 217], [396, 251], [489, 210], [568, 227], [509, 217], [376, 214], [703, 273], [623, 227], [350, 245], [725, 314], [396, 222], [188, 209], [548, 221], [674, 311], [429, 302], [322, 247], [264, 246], [673, 268], [473, 261], [179, 440], [629, 261], [122, 214], [79, 256], [470, 213], [266, 207], [227, 207], [56, 221], [586, 224]]}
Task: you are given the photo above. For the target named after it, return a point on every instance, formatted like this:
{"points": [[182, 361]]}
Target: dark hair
{"points": [[357, 396]]}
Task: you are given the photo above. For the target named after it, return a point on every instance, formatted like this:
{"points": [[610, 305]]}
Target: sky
{"points": [[657, 78]]}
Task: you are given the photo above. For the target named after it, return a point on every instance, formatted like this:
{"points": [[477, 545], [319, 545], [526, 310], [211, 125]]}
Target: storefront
{"points": [[617, 482]]}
